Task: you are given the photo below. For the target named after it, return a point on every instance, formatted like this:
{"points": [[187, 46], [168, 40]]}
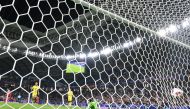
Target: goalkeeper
{"points": [[35, 93], [92, 104], [70, 96]]}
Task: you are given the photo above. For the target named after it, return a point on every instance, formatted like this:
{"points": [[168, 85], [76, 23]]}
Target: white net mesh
{"points": [[153, 14], [122, 54]]}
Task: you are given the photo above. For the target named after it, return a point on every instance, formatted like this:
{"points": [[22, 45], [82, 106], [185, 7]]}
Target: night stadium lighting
{"points": [[126, 44], [137, 40], [69, 57], [185, 24], [106, 51], [93, 54], [172, 28], [162, 33], [82, 55], [131, 43]]}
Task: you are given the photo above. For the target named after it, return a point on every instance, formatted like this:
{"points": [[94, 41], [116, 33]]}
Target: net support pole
{"points": [[124, 20]]}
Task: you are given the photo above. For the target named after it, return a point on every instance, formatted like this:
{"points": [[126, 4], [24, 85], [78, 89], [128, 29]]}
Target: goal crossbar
{"points": [[124, 20]]}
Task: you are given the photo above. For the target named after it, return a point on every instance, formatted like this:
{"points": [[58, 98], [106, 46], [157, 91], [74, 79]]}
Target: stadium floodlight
{"points": [[185, 24], [128, 44], [69, 56], [172, 28], [162, 33], [138, 40], [106, 51], [131, 43], [82, 55], [93, 54]]}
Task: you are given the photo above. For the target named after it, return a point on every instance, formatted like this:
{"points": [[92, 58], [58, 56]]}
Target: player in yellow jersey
{"points": [[70, 96], [35, 93]]}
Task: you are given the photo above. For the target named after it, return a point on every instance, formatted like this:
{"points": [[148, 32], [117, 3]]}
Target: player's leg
{"points": [[70, 101], [34, 98], [6, 98], [37, 100]]}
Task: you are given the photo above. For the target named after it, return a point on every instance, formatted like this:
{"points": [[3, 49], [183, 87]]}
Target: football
{"points": [[176, 92]]}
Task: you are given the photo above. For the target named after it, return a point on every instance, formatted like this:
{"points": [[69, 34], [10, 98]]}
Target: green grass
{"points": [[71, 68], [32, 106]]}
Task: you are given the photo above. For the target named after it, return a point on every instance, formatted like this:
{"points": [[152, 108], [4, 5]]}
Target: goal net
{"points": [[110, 53]]}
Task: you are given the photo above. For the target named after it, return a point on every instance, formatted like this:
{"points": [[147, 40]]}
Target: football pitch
{"points": [[33, 106]]}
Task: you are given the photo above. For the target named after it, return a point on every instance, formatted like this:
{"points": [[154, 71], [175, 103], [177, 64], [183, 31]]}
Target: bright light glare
{"points": [[138, 40], [93, 54], [162, 32], [106, 51], [172, 28], [69, 57], [130, 43], [185, 24], [82, 55], [126, 44]]}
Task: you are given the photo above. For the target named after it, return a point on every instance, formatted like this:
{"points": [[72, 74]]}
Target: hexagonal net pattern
{"points": [[118, 54]]}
